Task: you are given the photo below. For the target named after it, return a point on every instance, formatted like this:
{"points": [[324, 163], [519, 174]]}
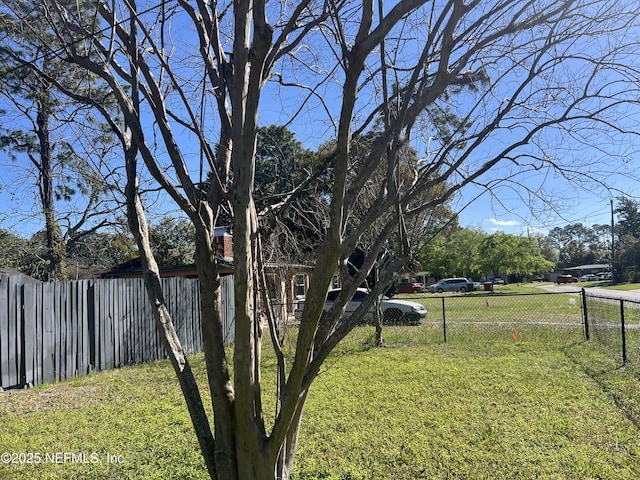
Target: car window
{"points": [[359, 296], [331, 296]]}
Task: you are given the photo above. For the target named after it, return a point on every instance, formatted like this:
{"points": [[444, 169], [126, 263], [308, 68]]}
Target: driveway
{"points": [[603, 292]]}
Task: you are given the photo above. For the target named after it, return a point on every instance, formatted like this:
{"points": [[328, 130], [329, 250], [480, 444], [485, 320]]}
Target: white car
{"points": [[589, 278], [393, 311]]}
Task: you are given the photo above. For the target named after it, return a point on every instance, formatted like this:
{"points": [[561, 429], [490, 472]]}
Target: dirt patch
{"points": [[52, 397]]}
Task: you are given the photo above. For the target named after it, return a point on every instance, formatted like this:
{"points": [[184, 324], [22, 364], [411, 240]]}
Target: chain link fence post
{"points": [[585, 313], [444, 322], [624, 337]]}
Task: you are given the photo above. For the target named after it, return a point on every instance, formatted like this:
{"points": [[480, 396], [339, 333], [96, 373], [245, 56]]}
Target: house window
{"points": [[300, 286]]}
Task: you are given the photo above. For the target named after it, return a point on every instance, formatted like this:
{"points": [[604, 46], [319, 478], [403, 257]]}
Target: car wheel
{"points": [[463, 289], [415, 290], [439, 290], [392, 316]]}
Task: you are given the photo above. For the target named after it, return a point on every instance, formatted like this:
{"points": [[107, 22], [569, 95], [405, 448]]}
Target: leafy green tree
{"points": [[578, 245], [629, 260], [628, 232], [454, 255], [282, 163], [11, 250], [547, 248], [96, 252], [628, 211], [91, 254], [505, 254], [173, 241], [290, 192]]}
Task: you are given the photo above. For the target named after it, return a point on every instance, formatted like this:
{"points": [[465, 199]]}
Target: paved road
{"points": [[604, 292]]}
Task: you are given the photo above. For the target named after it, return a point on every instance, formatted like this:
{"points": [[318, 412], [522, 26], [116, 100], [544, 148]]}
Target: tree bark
{"points": [[55, 244], [219, 378]]}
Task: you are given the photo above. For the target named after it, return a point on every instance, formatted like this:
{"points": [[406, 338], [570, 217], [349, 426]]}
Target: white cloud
{"points": [[503, 223]]}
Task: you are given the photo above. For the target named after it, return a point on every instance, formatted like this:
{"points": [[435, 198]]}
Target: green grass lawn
{"points": [[485, 410]]}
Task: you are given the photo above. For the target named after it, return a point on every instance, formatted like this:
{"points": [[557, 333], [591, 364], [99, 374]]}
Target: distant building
{"points": [[580, 270], [285, 282], [22, 278]]}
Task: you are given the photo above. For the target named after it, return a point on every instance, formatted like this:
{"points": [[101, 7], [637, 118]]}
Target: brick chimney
{"points": [[223, 242]]}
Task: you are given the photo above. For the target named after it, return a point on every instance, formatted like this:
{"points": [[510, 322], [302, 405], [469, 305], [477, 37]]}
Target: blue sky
{"points": [[537, 202], [490, 216], [504, 209]]}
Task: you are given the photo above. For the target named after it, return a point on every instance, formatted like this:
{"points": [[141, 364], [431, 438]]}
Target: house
{"points": [[581, 270], [286, 283]]}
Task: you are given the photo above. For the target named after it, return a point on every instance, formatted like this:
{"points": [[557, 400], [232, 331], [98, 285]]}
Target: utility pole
{"points": [[613, 249]]}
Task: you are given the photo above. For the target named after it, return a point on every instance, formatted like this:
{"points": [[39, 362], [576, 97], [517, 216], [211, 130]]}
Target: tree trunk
{"points": [[378, 320], [55, 244], [220, 386]]}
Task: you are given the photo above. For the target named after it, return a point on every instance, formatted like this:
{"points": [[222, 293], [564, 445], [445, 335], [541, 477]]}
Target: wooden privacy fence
{"points": [[55, 331]]}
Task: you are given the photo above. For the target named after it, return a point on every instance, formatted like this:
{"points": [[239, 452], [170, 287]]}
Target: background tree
{"points": [[547, 247], [96, 252], [90, 255], [173, 241], [341, 61], [11, 250], [628, 241], [576, 245], [49, 135], [290, 189], [628, 211], [504, 254], [454, 255]]}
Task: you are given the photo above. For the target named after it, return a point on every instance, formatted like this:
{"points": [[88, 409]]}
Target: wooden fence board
{"points": [[29, 335], [49, 334], [109, 338], [117, 322], [71, 336], [101, 313], [13, 333], [55, 329], [4, 331], [138, 332], [83, 350], [31, 343], [35, 300], [228, 314]]}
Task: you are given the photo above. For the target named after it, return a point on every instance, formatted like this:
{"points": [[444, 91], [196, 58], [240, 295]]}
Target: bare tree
{"points": [[192, 77]]}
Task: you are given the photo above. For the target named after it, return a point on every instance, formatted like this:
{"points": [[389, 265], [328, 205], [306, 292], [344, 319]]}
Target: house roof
{"points": [[133, 269], [15, 273], [593, 266]]}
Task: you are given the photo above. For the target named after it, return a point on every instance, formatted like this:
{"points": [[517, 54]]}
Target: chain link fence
{"points": [[614, 325], [545, 317], [560, 319]]}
